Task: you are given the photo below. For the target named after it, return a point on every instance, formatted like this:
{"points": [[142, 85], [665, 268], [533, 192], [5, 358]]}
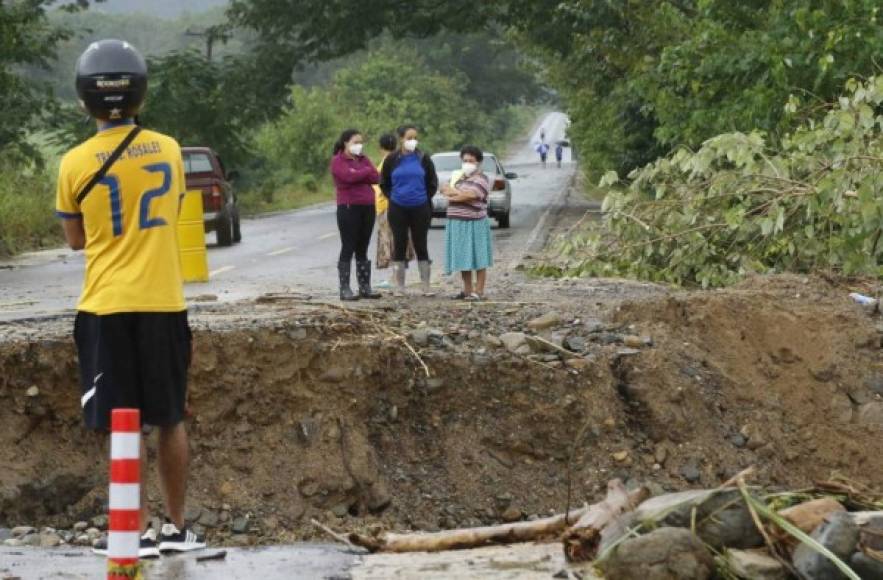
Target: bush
{"points": [[738, 205]]}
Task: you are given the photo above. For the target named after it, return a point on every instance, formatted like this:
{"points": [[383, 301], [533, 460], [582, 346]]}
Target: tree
{"points": [[26, 38]]}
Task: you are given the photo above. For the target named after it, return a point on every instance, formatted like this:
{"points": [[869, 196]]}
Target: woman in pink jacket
{"points": [[354, 175]]}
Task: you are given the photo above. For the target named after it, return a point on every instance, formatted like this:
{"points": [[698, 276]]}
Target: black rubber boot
{"points": [[363, 276], [343, 272]]}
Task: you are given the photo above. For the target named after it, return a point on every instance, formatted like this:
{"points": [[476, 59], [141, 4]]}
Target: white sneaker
{"points": [[172, 539]]}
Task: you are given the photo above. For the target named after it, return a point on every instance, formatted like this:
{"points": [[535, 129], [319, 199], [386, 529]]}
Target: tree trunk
{"points": [[581, 541]]}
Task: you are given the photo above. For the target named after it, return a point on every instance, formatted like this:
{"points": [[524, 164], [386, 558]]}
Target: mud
{"points": [[307, 411]]}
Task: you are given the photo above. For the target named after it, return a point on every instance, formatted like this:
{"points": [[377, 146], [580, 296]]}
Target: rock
{"points": [[21, 531], [840, 535], [546, 321], [866, 567], [875, 384], [192, 513], [208, 519], [515, 342], [34, 540], [49, 540], [393, 413], [621, 456], [810, 514], [5, 534], [632, 341], [13, 543], [93, 533], [663, 554], [841, 408], [577, 364], [420, 337], [608, 338], [100, 522], [660, 454], [492, 341], [434, 384], [341, 510], [871, 414], [691, 472], [754, 437], [297, 334], [576, 343], [240, 525], [511, 514], [83, 540], [722, 518], [81, 526], [738, 440], [33, 391], [334, 374], [870, 529], [755, 565]]}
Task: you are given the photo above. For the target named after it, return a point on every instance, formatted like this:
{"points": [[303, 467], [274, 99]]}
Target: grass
{"points": [[253, 202], [27, 213]]}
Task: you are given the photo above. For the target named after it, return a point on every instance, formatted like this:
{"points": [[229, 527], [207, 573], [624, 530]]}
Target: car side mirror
{"points": [[511, 175], [232, 175]]}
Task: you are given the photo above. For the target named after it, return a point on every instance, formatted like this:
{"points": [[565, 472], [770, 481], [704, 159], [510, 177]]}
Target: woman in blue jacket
{"points": [[409, 181]]}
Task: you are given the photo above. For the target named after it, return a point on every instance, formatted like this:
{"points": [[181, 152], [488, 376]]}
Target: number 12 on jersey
{"points": [[145, 222]]}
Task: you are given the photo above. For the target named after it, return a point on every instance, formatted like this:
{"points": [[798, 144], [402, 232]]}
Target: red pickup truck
{"points": [[205, 171]]}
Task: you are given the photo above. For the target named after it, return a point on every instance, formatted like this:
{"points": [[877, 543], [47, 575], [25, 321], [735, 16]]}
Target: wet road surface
{"points": [[297, 251], [305, 561]]}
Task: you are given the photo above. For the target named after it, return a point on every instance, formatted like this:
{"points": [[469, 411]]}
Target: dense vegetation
{"points": [[744, 204]]}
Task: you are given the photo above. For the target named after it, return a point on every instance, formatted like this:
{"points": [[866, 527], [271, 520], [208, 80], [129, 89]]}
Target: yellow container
{"points": [[191, 238]]}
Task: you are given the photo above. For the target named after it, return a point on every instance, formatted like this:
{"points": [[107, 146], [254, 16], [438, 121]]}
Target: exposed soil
{"points": [[307, 411]]}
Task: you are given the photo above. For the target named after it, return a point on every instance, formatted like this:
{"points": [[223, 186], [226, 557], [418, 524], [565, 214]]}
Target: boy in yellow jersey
{"points": [[132, 335]]}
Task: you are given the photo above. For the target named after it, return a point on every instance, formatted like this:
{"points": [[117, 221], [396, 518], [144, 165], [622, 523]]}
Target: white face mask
{"points": [[410, 145], [469, 168], [356, 149]]}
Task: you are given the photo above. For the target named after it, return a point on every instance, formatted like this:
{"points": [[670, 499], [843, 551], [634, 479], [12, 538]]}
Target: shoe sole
{"points": [[179, 547]]}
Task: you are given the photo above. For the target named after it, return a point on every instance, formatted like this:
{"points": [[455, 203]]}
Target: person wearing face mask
{"points": [[354, 176], [409, 181], [385, 246], [468, 244]]}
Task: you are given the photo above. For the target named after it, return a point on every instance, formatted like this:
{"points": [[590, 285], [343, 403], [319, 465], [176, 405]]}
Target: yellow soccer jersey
{"points": [[130, 218]]}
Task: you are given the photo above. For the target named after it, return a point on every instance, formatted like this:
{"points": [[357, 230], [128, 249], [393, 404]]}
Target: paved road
{"points": [[296, 251]]}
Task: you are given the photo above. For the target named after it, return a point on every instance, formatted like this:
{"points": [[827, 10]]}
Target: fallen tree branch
{"points": [[582, 540], [469, 537]]}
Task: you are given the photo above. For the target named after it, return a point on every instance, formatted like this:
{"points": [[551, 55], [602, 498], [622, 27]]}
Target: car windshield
{"points": [[452, 163], [197, 163]]}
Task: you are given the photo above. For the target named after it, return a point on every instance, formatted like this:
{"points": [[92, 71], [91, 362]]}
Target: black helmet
{"points": [[111, 80]]}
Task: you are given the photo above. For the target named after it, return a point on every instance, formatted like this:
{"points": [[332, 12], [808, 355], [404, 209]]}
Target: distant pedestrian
{"points": [[543, 150], [119, 194], [559, 154], [354, 175], [542, 134], [385, 245], [409, 181], [468, 246]]}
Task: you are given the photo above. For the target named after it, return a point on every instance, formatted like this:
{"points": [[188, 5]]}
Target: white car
{"points": [[500, 200]]}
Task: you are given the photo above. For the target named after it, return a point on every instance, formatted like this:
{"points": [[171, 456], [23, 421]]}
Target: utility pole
{"points": [[211, 34]]}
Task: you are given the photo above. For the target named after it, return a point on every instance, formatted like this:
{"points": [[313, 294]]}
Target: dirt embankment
{"points": [[307, 411]]}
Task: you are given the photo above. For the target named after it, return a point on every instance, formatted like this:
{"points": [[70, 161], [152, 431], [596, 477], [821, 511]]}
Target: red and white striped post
{"points": [[124, 529]]}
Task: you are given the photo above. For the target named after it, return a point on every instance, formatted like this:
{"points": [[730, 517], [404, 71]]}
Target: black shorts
{"points": [[134, 360]]}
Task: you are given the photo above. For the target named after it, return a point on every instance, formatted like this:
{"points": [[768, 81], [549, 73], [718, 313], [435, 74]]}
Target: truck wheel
{"points": [[503, 221], [224, 228], [237, 231]]}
